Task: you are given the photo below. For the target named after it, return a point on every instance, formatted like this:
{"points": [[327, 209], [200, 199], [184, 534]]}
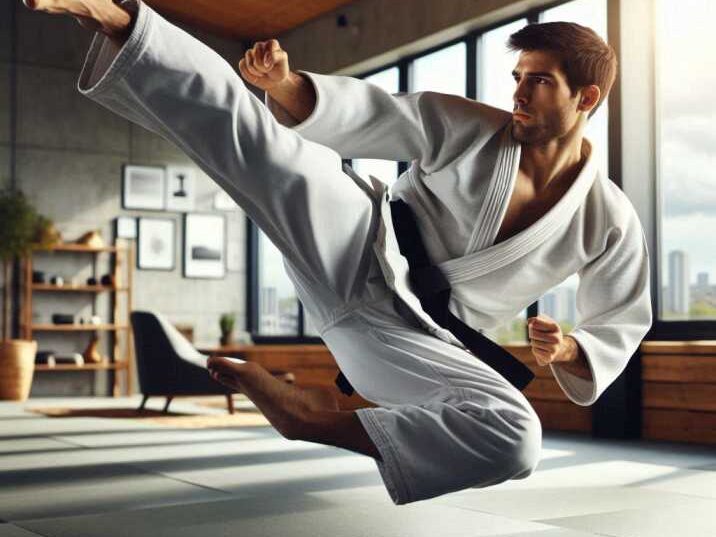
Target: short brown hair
{"points": [[586, 58]]}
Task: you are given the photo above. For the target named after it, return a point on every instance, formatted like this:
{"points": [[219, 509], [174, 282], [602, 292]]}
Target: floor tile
{"points": [[90, 489], [694, 519], [10, 530], [298, 516], [614, 473], [553, 532], [31, 445], [290, 472], [684, 481], [538, 504]]}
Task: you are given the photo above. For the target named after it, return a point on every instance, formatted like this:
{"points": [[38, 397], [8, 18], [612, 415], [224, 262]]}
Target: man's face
{"points": [[542, 94]]}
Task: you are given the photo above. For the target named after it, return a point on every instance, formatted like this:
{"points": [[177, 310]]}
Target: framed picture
{"points": [[155, 243], [126, 227], [181, 185], [224, 202], [204, 246], [143, 187]]}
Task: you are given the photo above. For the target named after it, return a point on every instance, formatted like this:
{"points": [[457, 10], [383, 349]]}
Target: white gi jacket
{"points": [[464, 163]]}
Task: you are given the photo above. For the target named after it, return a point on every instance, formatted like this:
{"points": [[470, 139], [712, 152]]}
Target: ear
{"points": [[589, 98]]}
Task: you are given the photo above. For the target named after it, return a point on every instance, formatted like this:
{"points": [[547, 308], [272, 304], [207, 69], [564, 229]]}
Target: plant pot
{"points": [[227, 339], [17, 365]]}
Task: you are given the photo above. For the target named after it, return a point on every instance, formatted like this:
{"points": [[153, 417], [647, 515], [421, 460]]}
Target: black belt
{"points": [[433, 290]]}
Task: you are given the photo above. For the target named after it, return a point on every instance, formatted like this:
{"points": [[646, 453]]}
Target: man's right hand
{"points": [[265, 65]]}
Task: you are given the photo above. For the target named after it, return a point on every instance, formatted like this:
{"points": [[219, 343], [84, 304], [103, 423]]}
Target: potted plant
{"points": [[226, 322], [21, 227]]}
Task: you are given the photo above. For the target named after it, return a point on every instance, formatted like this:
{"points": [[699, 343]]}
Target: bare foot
{"points": [[100, 15], [288, 408]]}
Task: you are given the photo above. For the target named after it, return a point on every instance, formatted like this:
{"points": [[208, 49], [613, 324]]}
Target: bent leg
{"points": [[450, 443], [446, 420]]}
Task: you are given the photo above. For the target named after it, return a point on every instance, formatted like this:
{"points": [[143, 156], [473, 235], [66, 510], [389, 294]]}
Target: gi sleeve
{"points": [[614, 311], [359, 119]]}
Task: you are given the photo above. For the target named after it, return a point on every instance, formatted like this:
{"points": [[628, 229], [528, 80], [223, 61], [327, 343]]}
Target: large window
{"points": [[686, 170], [495, 64], [443, 71]]}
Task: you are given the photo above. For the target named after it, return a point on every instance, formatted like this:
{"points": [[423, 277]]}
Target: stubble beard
{"points": [[539, 134]]}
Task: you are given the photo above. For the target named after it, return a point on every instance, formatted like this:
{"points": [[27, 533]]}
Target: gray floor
{"points": [[100, 477]]}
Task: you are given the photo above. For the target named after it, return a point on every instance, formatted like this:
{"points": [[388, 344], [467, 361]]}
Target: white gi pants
{"points": [[446, 420]]}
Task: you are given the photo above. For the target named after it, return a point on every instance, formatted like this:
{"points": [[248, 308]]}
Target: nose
{"points": [[520, 96]]}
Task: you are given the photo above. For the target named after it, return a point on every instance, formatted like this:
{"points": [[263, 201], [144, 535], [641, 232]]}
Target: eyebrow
{"points": [[544, 74]]}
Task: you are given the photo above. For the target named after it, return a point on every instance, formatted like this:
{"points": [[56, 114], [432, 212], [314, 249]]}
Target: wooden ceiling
{"points": [[248, 20]]}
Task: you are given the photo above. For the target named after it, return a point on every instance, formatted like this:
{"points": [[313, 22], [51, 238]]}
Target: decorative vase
{"points": [[91, 353], [17, 366]]}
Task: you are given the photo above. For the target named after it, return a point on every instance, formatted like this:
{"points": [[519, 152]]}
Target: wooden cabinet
{"points": [[116, 326]]}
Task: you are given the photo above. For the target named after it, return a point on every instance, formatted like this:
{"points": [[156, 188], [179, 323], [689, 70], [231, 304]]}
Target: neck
{"points": [[551, 163]]}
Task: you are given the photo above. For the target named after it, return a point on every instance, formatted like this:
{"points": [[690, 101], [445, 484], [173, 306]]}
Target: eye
{"points": [[541, 80]]}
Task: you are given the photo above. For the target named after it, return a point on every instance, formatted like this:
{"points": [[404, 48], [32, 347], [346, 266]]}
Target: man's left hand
{"points": [[546, 339]]}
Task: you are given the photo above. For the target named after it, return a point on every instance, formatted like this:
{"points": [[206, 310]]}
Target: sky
{"points": [[686, 82]]}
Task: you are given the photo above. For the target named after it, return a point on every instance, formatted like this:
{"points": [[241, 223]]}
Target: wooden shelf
{"points": [[70, 247], [77, 327], [76, 288], [84, 367], [115, 332]]}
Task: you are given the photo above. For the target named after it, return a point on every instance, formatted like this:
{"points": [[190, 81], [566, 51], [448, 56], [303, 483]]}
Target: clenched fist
{"points": [[265, 65], [546, 339]]}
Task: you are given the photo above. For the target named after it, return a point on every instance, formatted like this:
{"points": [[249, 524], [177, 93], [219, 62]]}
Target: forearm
{"points": [[573, 360], [297, 96]]}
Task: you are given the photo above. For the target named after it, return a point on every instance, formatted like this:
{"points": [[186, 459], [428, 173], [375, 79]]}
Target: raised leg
{"points": [[291, 410], [230, 403]]}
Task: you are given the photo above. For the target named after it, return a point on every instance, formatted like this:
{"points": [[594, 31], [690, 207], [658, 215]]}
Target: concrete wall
{"points": [[70, 153]]}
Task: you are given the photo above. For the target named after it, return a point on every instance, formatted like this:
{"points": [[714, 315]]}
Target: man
{"points": [[508, 205]]}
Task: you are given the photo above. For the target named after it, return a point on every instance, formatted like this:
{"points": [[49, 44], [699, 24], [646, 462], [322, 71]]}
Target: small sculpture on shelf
{"points": [[226, 323], [92, 239], [91, 354]]}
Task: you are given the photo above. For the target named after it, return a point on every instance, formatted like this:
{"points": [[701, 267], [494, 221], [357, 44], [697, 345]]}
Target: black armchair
{"points": [[167, 364]]}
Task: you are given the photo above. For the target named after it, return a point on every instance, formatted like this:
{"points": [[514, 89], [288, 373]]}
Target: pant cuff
{"points": [[389, 468]]}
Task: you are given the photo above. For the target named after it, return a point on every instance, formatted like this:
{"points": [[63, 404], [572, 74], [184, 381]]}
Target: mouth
{"points": [[519, 115]]}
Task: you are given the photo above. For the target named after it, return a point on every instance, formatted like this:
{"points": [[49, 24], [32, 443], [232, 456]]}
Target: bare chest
{"points": [[525, 208]]}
